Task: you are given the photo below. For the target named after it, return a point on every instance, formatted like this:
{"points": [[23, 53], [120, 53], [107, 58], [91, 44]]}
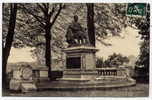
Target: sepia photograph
{"points": [[75, 49]]}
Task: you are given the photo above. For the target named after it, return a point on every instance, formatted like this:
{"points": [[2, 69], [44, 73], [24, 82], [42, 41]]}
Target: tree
{"points": [[103, 19], [143, 60], [143, 24], [9, 40], [90, 23], [115, 60], [30, 31], [99, 19], [109, 19], [100, 63], [46, 14]]}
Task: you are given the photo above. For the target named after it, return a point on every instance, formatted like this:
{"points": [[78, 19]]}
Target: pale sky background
{"points": [[127, 44]]}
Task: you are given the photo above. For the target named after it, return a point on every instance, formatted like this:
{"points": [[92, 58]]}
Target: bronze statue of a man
{"points": [[76, 34]]}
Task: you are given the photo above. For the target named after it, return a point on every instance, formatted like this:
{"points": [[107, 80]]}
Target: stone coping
{"points": [[74, 79], [107, 68], [110, 77], [78, 69], [42, 68], [110, 68], [80, 48]]}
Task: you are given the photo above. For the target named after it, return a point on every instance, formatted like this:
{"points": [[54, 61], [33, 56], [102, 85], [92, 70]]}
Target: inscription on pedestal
{"points": [[73, 62]]}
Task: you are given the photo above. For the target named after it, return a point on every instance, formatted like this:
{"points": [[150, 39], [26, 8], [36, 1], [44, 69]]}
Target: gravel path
{"points": [[139, 90]]}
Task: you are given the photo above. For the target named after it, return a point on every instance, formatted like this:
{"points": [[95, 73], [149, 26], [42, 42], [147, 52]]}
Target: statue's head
{"points": [[75, 18]]}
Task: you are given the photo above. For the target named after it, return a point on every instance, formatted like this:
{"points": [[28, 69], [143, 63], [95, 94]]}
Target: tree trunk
{"points": [[48, 49], [90, 23], [9, 40]]}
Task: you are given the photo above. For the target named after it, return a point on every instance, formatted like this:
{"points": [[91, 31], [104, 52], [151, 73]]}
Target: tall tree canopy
{"points": [[33, 21], [143, 24], [46, 15]]}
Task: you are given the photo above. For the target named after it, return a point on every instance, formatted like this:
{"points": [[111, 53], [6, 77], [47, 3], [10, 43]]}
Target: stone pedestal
{"points": [[22, 79], [80, 63], [28, 87], [40, 73]]}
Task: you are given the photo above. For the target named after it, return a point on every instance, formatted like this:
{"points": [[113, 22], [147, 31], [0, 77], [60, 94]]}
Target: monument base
{"points": [[80, 72], [80, 63]]}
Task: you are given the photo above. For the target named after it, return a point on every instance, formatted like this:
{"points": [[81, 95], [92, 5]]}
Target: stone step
{"points": [[62, 85], [79, 72], [96, 86]]}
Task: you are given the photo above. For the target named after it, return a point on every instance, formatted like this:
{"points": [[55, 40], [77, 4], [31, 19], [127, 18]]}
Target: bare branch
{"points": [[44, 10], [52, 11], [56, 16], [38, 18], [104, 43]]}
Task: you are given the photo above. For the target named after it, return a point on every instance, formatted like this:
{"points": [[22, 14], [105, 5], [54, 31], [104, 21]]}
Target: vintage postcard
{"points": [[76, 49]]}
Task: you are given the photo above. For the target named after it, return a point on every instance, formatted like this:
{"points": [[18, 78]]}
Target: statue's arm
{"points": [[83, 29], [69, 33]]}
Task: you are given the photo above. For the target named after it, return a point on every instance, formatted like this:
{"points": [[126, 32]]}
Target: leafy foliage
{"points": [[100, 63], [108, 19], [143, 60], [144, 26], [114, 60]]}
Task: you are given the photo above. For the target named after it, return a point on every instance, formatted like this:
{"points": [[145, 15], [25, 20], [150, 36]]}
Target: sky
{"points": [[128, 44]]}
